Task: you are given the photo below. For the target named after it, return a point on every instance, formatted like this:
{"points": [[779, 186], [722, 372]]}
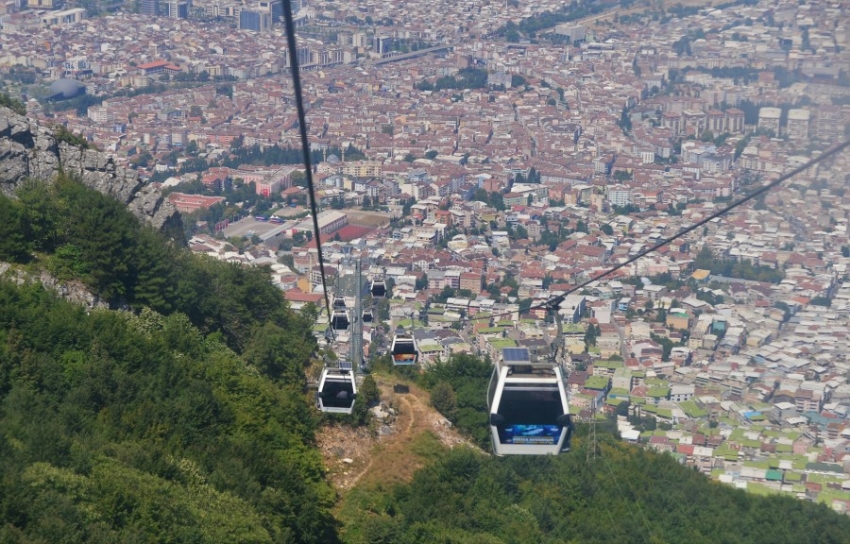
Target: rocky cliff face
{"points": [[72, 291], [29, 150]]}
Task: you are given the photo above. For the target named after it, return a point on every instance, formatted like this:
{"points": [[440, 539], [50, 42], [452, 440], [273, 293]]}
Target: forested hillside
{"points": [[77, 233], [626, 495], [185, 424]]}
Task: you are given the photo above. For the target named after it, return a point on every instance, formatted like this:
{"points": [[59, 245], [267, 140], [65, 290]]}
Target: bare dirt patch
{"points": [[346, 452], [367, 219], [387, 455], [289, 211]]}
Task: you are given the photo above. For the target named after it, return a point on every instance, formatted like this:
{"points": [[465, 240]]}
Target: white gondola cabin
{"points": [[404, 350], [337, 389], [378, 288], [529, 409], [367, 316]]}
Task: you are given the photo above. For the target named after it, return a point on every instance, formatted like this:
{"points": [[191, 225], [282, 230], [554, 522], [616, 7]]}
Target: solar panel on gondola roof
{"points": [[345, 365], [516, 355]]}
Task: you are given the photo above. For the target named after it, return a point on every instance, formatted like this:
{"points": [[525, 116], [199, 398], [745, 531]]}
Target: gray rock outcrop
{"points": [[72, 291], [31, 151]]}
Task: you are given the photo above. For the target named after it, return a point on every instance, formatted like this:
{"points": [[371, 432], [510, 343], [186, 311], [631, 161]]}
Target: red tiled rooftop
{"points": [[154, 64], [351, 232], [687, 449]]}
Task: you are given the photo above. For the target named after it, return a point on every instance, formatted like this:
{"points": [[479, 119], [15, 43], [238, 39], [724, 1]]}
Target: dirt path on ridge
{"points": [[353, 456]]}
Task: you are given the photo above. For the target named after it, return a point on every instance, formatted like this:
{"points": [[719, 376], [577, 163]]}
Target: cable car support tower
{"points": [[355, 344]]}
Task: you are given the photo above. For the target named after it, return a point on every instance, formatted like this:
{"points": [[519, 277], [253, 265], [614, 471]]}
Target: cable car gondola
{"points": [[339, 319], [367, 316], [378, 288], [529, 411], [337, 389], [404, 350]]}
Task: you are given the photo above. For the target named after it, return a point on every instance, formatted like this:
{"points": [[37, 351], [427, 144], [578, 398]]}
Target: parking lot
{"points": [[248, 227]]}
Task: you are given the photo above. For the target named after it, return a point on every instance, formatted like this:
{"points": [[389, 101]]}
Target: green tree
{"points": [[40, 215], [468, 377], [368, 392], [13, 104], [785, 309], [520, 232], [444, 400], [99, 230], [278, 354], [154, 277], [590, 335], [667, 345], [62, 134], [625, 121], [14, 245], [421, 282]]}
